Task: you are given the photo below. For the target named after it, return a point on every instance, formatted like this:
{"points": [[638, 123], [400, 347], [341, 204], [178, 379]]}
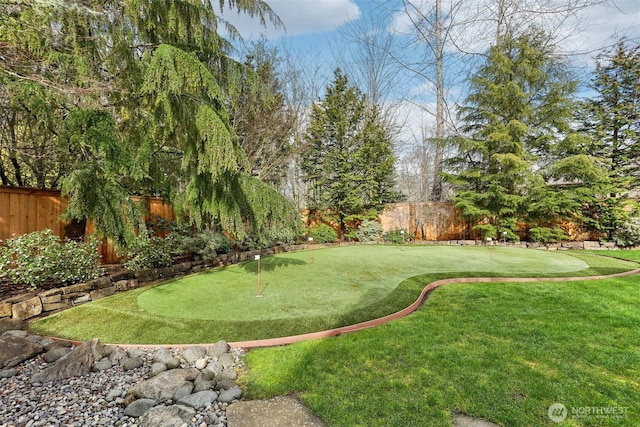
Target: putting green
{"points": [[330, 282]]}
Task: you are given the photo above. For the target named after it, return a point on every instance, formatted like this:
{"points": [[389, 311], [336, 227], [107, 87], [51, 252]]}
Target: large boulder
{"points": [[15, 349], [74, 364], [163, 386]]}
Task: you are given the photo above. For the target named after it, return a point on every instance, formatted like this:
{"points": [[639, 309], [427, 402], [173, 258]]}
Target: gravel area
{"points": [[95, 399]]}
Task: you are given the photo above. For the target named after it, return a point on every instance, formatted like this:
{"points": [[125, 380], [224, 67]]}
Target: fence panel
{"points": [[426, 221], [24, 210]]}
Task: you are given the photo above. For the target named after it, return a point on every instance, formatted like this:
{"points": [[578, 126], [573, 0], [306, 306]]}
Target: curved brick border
{"points": [[272, 342]]}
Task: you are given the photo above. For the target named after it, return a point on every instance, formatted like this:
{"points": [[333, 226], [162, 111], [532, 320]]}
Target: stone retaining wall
{"points": [[42, 303]]}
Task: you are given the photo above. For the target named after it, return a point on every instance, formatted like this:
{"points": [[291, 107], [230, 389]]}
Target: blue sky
{"points": [[313, 29], [312, 22]]}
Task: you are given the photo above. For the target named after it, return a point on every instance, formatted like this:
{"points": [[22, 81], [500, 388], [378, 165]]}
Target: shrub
{"points": [[486, 231], [39, 258], [628, 234], [207, 244], [150, 251], [547, 235], [369, 231], [397, 236], [322, 233]]}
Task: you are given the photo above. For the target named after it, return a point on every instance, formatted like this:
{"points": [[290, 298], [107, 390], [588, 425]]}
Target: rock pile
{"points": [[47, 382]]}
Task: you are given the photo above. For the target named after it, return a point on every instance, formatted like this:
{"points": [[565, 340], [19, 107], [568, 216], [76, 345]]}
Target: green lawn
{"points": [[502, 352], [343, 285]]}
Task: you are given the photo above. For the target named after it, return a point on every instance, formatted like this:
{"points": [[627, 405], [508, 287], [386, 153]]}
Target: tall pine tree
{"points": [[518, 161], [349, 164]]}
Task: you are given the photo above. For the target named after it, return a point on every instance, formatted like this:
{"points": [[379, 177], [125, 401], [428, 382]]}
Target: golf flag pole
{"points": [[311, 243], [489, 240], [259, 293]]}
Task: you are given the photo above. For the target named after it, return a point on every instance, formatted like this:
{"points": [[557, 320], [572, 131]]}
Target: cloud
{"points": [[299, 17]]}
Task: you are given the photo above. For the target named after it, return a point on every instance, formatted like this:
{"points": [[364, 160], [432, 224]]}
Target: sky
{"points": [[317, 27]]}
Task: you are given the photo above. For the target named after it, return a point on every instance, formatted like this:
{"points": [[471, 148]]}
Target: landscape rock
{"points": [[162, 355], [218, 349], [224, 385], [74, 364], [138, 407], [164, 385], [183, 391], [55, 354], [205, 375], [215, 368], [130, 363], [135, 353], [102, 365], [9, 324], [192, 354], [228, 374], [157, 368], [8, 373], [50, 344], [14, 349], [204, 385], [173, 363], [228, 396], [34, 338], [167, 416], [115, 393], [200, 399], [19, 334], [27, 309], [226, 360], [201, 363]]}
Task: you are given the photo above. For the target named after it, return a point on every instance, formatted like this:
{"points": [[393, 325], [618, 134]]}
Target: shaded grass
{"points": [[503, 352], [371, 275]]}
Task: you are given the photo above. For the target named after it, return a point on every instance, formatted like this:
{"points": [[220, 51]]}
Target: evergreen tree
{"points": [[518, 162], [349, 164], [612, 118], [132, 99]]}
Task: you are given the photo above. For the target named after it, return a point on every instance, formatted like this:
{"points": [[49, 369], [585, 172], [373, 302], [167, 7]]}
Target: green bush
{"points": [[547, 235], [39, 258], [322, 233], [397, 236], [369, 231], [628, 234], [207, 244], [149, 251], [486, 231]]}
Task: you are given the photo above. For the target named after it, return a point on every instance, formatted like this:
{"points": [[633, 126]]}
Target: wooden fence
{"points": [[426, 221], [25, 210]]}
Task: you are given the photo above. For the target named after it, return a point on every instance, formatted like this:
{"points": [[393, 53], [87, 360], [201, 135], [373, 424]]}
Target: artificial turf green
{"points": [[343, 285]]}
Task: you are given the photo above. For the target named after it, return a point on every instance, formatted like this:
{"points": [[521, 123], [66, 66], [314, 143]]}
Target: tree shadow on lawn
{"points": [[271, 263]]}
